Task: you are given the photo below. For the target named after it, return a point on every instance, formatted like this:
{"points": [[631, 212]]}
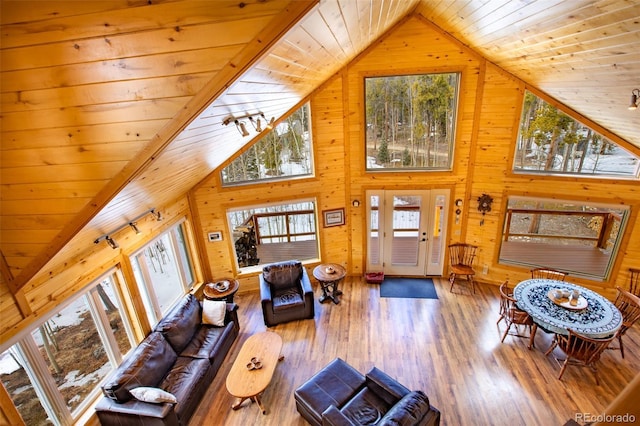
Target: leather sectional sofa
{"points": [[180, 356], [339, 395]]}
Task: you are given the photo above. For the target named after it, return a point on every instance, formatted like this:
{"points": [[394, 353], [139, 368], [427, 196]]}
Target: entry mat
{"points": [[408, 288]]}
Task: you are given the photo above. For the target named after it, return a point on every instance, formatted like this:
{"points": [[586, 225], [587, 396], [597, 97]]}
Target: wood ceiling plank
{"points": [[129, 18], [105, 93], [50, 190], [163, 40], [96, 153], [37, 222], [150, 66], [100, 114], [61, 173], [140, 131], [48, 207]]}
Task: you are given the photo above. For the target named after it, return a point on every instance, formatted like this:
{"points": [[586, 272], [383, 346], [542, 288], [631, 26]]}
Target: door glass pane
{"points": [[73, 351], [16, 380], [374, 229], [437, 237], [406, 230]]}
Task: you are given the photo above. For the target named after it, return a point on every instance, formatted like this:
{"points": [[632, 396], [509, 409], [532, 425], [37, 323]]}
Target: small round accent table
{"points": [[214, 291], [329, 276]]}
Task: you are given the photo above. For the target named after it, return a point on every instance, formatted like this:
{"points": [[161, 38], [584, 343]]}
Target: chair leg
{"points": [[532, 335], [452, 280], [621, 347], [552, 347], [506, 332], [564, 365]]}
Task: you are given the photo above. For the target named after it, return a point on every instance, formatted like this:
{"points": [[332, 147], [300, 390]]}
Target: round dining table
{"points": [[599, 318]]}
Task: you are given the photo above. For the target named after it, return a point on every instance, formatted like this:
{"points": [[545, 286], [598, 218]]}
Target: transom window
{"points": [[266, 234], [410, 121], [284, 152], [579, 238], [551, 142]]}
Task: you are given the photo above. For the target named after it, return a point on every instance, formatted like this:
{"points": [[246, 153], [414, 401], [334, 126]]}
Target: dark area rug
{"points": [[408, 288]]}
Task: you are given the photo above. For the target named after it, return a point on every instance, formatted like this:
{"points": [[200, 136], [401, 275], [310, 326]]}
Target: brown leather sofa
{"points": [[286, 293], [181, 356], [338, 395]]}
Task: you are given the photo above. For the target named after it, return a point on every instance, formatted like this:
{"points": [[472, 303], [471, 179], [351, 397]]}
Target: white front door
{"points": [[406, 230]]}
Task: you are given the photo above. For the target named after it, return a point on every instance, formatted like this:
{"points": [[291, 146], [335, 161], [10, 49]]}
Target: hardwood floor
{"points": [[449, 347]]}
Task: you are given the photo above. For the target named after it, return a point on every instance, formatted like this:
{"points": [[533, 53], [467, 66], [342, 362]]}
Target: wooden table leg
{"points": [[238, 403], [257, 400]]}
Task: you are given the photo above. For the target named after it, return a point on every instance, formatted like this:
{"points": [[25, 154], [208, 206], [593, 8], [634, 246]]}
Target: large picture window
{"points": [[410, 121], [551, 142], [267, 234], [54, 372], [283, 152], [579, 238]]}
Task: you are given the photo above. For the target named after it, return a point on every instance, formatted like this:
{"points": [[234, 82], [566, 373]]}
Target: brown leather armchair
{"points": [[286, 293]]}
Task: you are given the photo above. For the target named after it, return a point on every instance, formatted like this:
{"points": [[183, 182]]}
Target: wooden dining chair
{"points": [[547, 273], [579, 350], [634, 281], [629, 306], [461, 256], [513, 316]]}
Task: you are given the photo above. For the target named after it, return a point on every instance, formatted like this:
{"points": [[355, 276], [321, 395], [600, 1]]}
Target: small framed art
{"points": [[333, 217]]}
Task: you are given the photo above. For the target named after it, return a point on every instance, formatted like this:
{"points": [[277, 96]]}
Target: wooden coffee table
{"points": [[244, 383]]}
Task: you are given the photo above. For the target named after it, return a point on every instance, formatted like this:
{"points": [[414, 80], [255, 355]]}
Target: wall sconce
{"points": [[255, 122], [355, 203], [635, 94], [132, 224]]}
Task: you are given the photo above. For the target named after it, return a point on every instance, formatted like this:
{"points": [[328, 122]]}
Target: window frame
{"points": [[258, 267], [624, 211], [36, 367], [454, 113], [585, 124]]}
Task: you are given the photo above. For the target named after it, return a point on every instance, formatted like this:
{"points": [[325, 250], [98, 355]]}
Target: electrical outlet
{"points": [[485, 269]]}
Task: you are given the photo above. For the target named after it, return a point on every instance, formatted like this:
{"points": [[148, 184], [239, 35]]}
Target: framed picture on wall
{"points": [[333, 217]]}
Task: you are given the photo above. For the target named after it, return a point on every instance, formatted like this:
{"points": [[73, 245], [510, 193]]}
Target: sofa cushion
{"points": [[282, 274], [365, 408], [180, 324], [408, 411], [335, 384], [146, 366], [206, 342], [186, 381], [287, 299]]}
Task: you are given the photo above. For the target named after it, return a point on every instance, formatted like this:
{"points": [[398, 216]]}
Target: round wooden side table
{"points": [[329, 276], [223, 289]]}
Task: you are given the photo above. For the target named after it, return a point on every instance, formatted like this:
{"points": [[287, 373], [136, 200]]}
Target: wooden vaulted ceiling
{"points": [[113, 107]]}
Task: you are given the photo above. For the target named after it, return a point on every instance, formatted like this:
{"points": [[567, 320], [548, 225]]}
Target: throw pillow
{"points": [[155, 395], [213, 312]]}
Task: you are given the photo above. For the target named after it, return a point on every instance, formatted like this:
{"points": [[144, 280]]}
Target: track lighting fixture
{"points": [[132, 224], [111, 242], [635, 94], [254, 119]]}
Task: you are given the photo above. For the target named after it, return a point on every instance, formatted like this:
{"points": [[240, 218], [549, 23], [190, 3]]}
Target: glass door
{"points": [[406, 230]]}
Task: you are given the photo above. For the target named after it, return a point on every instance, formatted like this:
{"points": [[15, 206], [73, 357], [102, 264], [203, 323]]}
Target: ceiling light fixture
{"points": [[111, 242], [134, 226], [635, 94], [254, 119]]}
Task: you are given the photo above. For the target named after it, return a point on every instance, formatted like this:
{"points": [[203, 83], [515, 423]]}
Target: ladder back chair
{"points": [[513, 316], [547, 273], [580, 350], [634, 281], [629, 306], [461, 256]]}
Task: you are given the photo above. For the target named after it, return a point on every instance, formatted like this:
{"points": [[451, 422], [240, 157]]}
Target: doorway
{"points": [[406, 231]]}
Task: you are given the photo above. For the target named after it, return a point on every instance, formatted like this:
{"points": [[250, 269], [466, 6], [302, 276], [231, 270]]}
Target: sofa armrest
{"points": [[265, 290], [334, 417], [231, 314], [385, 386], [134, 412]]}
